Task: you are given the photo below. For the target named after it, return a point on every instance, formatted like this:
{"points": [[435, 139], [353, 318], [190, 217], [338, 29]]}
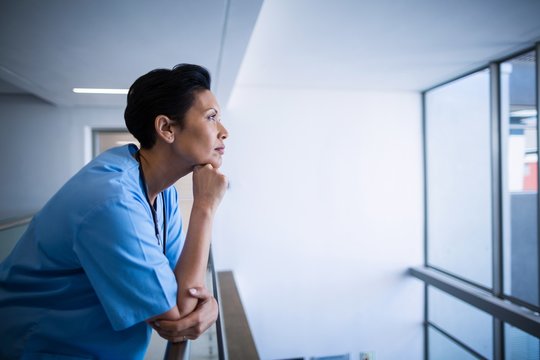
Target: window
{"points": [[441, 347], [482, 255], [463, 322], [520, 345], [458, 178], [520, 177]]}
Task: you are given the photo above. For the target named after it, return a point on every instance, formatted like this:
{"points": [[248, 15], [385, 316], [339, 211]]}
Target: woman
{"points": [[104, 258]]}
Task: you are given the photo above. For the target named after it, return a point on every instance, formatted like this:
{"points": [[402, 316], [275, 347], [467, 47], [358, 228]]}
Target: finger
{"points": [[171, 337], [202, 166], [191, 333], [177, 325], [193, 324], [200, 293], [209, 313], [206, 315], [178, 339], [199, 329], [153, 325], [167, 336], [182, 339]]}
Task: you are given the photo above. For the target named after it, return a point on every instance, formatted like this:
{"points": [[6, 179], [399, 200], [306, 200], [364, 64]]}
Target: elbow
{"points": [[172, 315]]}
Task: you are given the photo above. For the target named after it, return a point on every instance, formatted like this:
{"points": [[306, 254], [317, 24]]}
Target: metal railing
{"points": [[14, 222], [10, 232], [503, 310], [212, 344]]}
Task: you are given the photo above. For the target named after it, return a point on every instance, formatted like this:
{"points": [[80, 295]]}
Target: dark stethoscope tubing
{"points": [[152, 208]]}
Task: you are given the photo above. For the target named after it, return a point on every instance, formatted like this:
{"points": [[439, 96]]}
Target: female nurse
{"points": [[104, 260]]}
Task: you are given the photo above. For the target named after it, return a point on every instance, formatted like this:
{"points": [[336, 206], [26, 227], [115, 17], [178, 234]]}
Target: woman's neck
{"points": [[159, 172]]}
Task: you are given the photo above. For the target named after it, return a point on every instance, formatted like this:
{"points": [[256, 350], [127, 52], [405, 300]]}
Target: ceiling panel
{"points": [[383, 44], [8, 88], [49, 47]]}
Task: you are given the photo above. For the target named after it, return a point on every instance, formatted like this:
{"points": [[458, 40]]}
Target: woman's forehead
{"points": [[205, 100]]}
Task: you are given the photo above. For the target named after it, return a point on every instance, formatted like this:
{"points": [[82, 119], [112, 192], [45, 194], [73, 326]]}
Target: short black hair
{"points": [[168, 92]]}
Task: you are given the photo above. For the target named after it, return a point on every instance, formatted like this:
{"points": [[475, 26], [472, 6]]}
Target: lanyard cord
{"points": [[154, 213]]}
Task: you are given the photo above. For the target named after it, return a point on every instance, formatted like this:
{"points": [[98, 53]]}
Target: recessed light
{"points": [[100, 91]]}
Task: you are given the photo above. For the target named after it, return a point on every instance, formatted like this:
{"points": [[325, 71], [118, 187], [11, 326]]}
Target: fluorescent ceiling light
{"points": [[100, 91]]}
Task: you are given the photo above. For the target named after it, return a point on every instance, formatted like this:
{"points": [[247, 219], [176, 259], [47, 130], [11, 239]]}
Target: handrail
{"points": [[182, 350], [13, 222], [240, 342], [177, 351], [223, 352], [517, 316]]}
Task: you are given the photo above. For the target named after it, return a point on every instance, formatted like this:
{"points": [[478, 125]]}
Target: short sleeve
{"points": [[118, 250]]}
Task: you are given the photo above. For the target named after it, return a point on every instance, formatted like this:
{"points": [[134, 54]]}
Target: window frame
{"points": [[503, 308]]}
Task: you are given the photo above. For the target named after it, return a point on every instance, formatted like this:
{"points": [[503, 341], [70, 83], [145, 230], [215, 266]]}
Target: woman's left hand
{"points": [[194, 324]]}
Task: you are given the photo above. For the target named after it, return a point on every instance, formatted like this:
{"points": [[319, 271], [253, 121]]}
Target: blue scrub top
{"points": [[89, 270]]}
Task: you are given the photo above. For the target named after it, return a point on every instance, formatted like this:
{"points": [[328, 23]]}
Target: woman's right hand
{"points": [[209, 186], [191, 326]]}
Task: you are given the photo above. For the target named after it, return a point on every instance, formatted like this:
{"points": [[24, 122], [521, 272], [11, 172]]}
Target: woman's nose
{"points": [[223, 133]]}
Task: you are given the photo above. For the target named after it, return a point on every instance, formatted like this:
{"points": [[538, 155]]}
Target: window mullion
{"points": [[496, 204], [538, 160]]}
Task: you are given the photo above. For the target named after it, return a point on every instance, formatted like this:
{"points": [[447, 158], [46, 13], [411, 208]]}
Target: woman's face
{"points": [[201, 140]]}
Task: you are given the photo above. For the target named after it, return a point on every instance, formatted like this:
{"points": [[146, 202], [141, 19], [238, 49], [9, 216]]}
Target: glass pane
{"points": [[520, 177], [520, 345], [442, 348], [206, 347], [462, 321], [459, 178]]}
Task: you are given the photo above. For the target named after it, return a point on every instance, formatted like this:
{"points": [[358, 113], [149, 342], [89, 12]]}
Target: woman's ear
{"points": [[164, 128]]}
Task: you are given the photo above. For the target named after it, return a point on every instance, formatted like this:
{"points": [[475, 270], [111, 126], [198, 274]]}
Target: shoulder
{"points": [[111, 178], [114, 173], [114, 160]]}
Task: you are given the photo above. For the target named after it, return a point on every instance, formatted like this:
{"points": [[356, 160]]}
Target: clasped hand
{"points": [[194, 324], [209, 186]]}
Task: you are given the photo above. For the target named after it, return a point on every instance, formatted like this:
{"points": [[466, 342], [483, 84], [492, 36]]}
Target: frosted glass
{"points": [[520, 345], [442, 348], [464, 322], [459, 178]]}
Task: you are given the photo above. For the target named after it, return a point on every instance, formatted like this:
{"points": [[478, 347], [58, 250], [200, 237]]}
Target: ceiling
{"points": [[382, 44], [49, 47]]}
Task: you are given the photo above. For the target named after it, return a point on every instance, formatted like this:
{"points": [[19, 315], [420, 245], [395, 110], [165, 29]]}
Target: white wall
{"points": [[323, 218], [42, 146]]}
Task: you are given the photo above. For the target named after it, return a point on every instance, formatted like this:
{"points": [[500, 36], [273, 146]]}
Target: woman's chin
{"points": [[215, 161]]}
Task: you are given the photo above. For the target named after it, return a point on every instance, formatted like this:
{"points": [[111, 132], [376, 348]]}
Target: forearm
{"points": [[190, 270]]}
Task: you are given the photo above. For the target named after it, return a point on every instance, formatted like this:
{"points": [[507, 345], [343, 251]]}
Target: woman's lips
{"points": [[220, 150]]}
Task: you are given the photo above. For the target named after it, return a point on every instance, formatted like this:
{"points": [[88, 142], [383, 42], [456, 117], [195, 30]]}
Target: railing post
{"points": [[496, 204]]}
